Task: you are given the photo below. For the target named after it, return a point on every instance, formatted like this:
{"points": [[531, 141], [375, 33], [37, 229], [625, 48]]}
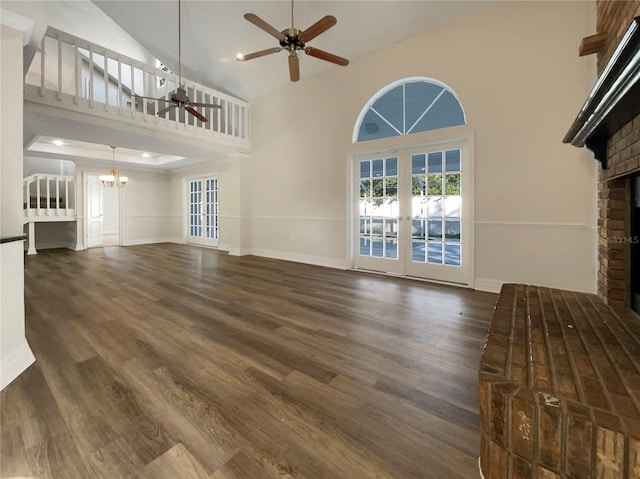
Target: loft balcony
{"points": [[71, 77]]}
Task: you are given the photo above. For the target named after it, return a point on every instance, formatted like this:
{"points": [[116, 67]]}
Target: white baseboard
{"points": [[238, 252], [298, 258], [135, 242], [52, 245], [488, 285], [58, 244], [15, 363]]}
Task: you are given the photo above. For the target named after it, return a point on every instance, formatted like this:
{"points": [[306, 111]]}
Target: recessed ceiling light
{"points": [[146, 155], [58, 142]]}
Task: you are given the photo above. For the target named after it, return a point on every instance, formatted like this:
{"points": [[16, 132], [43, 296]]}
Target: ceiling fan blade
{"points": [[165, 110], [250, 56], [205, 105], [260, 23], [151, 98], [322, 25], [197, 114], [294, 67], [326, 56]]}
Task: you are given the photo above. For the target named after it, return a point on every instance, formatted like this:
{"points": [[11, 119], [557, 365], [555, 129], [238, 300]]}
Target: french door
{"points": [[413, 212], [202, 214]]}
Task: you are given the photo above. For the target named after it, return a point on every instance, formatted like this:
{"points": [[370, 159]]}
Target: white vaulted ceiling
{"points": [[213, 32]]}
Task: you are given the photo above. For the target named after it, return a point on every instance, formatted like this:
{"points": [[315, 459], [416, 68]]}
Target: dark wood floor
{"points": [[170, 361]]}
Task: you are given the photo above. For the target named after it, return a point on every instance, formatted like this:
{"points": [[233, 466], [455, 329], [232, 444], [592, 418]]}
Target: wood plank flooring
{"points": [[171, 361]]}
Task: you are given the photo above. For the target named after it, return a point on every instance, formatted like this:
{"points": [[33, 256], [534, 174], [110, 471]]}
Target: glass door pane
{"points": [[211, 211], [195, 210], [436, 208], [378, 211], [438, 218]]}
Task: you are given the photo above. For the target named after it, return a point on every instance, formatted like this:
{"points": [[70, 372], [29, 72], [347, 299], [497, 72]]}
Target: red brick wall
{"points": [[613, 17]]}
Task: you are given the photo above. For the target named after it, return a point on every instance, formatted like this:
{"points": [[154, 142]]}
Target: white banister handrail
{"points": [[102, 80]]}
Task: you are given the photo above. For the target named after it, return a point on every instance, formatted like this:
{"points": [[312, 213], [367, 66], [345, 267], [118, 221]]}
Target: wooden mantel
{"points": [[613, 101]]}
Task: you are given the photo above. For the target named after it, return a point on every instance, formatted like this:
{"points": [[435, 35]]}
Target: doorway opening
{"points": [[103, 213]]}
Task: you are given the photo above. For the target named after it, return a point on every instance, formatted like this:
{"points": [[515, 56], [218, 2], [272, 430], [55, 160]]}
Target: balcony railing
{"points": [[77, 75], [49, 197]]}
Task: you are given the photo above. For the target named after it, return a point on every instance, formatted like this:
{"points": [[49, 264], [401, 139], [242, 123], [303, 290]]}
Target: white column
{"points": [[32, 238]]}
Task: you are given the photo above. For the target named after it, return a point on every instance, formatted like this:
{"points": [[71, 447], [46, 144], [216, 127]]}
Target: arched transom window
{"points": [[408, 106]]}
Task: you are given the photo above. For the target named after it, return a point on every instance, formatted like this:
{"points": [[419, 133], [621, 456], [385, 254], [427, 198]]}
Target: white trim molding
{"points": [[488, 285], [15, 363], [295, 257], [141, 241]]}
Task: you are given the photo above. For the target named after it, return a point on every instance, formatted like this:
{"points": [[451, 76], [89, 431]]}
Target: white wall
{"points": [[516, 70], [15, 354]]}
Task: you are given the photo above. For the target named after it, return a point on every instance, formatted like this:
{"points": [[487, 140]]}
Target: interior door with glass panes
{"points": [[412, 216], [202, 214]]}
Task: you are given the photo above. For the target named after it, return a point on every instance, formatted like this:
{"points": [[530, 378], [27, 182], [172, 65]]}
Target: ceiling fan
{"points": [[293, 41], [179, 98]]}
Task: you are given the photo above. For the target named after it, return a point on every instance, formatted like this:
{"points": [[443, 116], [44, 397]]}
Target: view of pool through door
{"points": [[202, 211], [413, 213]]}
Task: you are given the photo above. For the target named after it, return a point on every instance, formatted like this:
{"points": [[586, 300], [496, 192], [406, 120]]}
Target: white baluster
{"points": [[57, 196], [133, 92], [219, 116], [78, 72], [42, 65], [48, 194], [120, 103], [91, 66], [38, 195], [66, 195], [106, 81], [59, 68]]}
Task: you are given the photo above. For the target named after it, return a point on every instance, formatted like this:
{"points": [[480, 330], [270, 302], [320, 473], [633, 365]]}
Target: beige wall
{"points": [[515, 68], [230, 202], [148, 214]]}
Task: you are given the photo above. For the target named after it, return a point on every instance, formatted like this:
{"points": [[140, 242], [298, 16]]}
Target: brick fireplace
{"points": [[618, 239], [609, 125]]}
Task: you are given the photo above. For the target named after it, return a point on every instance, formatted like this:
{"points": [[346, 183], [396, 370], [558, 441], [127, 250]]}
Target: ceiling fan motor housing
{"points": [[293, 39], [180, 96]]}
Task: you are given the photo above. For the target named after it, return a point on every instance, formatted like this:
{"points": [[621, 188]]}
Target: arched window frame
{"points": [[403, 81]]}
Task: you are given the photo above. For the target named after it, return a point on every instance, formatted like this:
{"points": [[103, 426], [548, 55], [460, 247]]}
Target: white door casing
{"points": [[94, 211], [202, 215]]}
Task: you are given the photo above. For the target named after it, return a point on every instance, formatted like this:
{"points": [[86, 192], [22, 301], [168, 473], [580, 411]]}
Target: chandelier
{"points": [[113, 178]]}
